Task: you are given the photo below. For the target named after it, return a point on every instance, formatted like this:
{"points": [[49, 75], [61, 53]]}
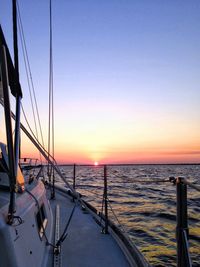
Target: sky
{"points": [[126, 78]]}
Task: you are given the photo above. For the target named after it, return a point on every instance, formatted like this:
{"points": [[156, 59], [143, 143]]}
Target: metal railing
{"points": [[182, 229]]}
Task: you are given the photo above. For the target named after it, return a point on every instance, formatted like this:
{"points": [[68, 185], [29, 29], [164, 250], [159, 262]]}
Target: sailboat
{"points": [[37, 229]]}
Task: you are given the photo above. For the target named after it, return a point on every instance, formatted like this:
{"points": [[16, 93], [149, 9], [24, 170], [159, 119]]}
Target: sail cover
{"points": [[15, 86]]}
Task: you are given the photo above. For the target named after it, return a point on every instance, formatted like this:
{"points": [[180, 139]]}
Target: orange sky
{"points": [[87, 153]]}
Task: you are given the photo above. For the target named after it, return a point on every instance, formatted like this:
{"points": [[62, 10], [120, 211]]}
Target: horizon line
{"points": [[123, 164]]}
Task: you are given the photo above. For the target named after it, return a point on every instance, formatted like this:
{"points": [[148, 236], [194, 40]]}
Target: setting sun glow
{"points": [[96, 163]]}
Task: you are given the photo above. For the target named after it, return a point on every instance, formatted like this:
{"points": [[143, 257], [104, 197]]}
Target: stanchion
{"points": [[74, 179], [182, 232], [105, 200]]}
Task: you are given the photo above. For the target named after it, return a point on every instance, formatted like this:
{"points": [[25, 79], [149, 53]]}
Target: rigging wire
{"points": [[45, 154], [28, 81], [33, 135], [51, 102], [29, 77]]}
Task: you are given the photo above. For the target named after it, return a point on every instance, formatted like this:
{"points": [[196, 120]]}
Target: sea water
{"points": [[142, 202]]}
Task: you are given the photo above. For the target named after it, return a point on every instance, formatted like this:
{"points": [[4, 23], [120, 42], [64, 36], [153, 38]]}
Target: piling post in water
{"points": [[182, 232], [105, 200]]}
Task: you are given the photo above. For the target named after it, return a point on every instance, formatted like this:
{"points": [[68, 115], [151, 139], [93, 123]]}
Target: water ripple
{"points": [[147, 210]]}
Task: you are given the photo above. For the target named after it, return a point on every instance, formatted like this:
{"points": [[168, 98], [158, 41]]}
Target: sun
{"points": [[96, 163]]}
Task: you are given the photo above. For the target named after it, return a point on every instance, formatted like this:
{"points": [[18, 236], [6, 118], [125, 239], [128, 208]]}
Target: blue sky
{"points": [[126, 76]]}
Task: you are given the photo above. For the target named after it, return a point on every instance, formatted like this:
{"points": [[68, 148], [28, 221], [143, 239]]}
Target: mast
{"points": [[14, 151], [7, 111], [18, 96], [15, 42]]}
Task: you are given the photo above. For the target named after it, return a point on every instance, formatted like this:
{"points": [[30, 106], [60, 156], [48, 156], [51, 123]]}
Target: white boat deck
{"points": [[85, 245]]}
